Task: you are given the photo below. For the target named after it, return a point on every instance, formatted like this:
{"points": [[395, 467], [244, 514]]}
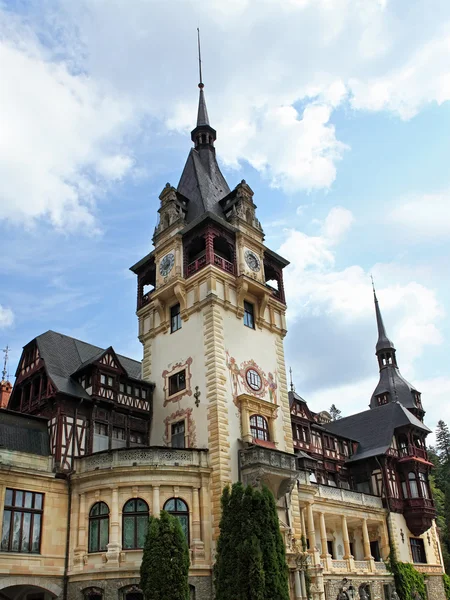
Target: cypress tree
{"points": [[251, 559], [165, 562]]}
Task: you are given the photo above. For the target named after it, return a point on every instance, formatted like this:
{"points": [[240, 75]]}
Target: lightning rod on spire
{"points": [[5, 363], [373, 285], [292, 383], [200, 85]]}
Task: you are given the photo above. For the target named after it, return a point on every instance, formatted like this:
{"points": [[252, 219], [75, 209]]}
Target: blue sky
{"points": [[336, 113]]}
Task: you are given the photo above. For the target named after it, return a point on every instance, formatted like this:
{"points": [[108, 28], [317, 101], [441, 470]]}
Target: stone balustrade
{"points": [[131, 457], [348, 496]]}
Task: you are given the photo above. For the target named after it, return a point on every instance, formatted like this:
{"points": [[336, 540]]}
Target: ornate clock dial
{"points": [[252, 261], [166, 264], [254, 379]]}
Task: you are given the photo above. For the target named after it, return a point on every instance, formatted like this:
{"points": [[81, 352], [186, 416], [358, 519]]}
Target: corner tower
{"points": [[392, 387], [211, 310]]}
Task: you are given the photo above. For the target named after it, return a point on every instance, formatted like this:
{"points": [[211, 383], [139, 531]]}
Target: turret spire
{"points": [[203, 135], [383, 343]]}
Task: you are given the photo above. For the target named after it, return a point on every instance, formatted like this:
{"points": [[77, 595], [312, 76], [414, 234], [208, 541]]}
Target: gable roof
{"points": [[374, 428], [63, 356]]}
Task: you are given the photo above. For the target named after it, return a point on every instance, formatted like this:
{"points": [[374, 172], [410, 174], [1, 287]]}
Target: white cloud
{"points": [[60, 132], [6, 317], [427, 216], [314, 287]]}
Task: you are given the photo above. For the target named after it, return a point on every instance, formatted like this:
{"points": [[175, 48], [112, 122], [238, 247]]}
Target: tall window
{"points": [[177, 434], [134, 523], [418, 550], [249, 319], [414, 491], [178, 508], [259, 428], [98, 527], [423, 485], [177, 382], [175, 318], [22, 521]]}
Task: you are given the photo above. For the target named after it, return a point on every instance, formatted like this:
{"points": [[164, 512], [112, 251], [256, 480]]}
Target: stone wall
{"points": [[435, 587], [113, 589]]}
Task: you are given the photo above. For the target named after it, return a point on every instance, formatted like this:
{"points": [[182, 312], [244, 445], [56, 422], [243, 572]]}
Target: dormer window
{"points": [[383, 398]]}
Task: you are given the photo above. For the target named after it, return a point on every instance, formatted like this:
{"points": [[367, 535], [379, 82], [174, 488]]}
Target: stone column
{"points": [[311, 529], [323, 535], [80, 548], [302, 520], [366, 542], [246, 434], [303, 585], [205, 516], [345, 537], [114, 547], [297, 586], [156, 507], [198, 548]]}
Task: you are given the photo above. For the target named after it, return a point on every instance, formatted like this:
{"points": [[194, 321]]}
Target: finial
{"points": [[201, 84], [373, 285], [292, 383], [5, 363]]}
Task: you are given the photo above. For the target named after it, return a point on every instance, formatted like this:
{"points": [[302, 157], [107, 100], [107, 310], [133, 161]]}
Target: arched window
{"points": [[98, 527], [424, 485], [259, 428], [179, 509], [134, 523], [413, 485]]}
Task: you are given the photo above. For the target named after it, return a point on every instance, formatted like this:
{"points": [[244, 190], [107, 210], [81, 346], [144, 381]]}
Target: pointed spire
{"points": [[203, 135], [383, 343]]}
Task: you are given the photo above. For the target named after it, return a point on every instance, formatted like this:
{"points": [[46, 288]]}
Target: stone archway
{"points": [[26, 592]]}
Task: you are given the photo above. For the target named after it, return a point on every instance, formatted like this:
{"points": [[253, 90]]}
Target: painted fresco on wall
{"points": [[178, 368], [180, 415], [249, 378]]}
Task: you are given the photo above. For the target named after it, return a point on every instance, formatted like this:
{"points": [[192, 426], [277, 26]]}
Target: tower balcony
{"points": [[202, 261], [411, 452], [267, 466]]}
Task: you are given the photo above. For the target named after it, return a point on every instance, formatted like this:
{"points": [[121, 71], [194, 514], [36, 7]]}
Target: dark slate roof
{"points": [[63, 356], [202, 114], [24, 433], [391, 381], [374, 428], [203, 184]]}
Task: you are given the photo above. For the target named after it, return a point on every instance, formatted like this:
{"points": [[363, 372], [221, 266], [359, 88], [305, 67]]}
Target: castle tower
{"points": [[211, 310], [392, 387]]}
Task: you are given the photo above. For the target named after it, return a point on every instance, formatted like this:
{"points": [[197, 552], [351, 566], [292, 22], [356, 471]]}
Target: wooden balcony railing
{"points": [[413, 451], [202, 261]]}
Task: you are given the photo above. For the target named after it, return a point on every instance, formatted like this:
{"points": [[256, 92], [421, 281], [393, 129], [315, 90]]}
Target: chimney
{"points": [[5, 393]]}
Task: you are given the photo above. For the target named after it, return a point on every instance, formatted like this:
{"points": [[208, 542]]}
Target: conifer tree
{"points": [[443, 439], [335, 413], [165, 562], [251, 559]]}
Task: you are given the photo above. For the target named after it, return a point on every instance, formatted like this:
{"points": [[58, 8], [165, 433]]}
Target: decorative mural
{"points": [[248, 377], [179, 415], [167, 374]]}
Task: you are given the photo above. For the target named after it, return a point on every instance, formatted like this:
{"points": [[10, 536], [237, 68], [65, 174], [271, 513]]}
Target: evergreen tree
{"points": [[335, 413], [443, 439], [251, 559], [165, 562]]}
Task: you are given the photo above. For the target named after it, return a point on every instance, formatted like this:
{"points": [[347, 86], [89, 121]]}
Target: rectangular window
{"points": [[22, 521], [122, 388], [375, 550], [177, 435], [418, 550], [103, 379], [101, 429], [175, 318], [129, 390], [177, 382], [119, 438], [249, 319], [136, 438], [330, 548]]}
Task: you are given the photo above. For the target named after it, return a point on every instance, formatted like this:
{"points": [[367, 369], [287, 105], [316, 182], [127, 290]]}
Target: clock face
{"points": [[166, 264], [254, 379], [252, 261]]}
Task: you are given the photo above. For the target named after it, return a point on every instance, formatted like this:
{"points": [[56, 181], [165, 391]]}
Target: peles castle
{"points": [[92, 442]]}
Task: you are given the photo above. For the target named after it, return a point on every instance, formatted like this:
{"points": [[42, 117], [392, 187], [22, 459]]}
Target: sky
{"points": [[335, 112]]}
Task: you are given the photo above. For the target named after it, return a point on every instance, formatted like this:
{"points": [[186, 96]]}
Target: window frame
{"points": [[133, 515], [417, 546], [98, 518], [180, 513], [178, 434], [249, 315], [257, 428], [172, 378], [175, 318], [22, 510]]}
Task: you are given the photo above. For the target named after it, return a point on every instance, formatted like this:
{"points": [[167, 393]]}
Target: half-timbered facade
{"points": [[94, 399]]}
